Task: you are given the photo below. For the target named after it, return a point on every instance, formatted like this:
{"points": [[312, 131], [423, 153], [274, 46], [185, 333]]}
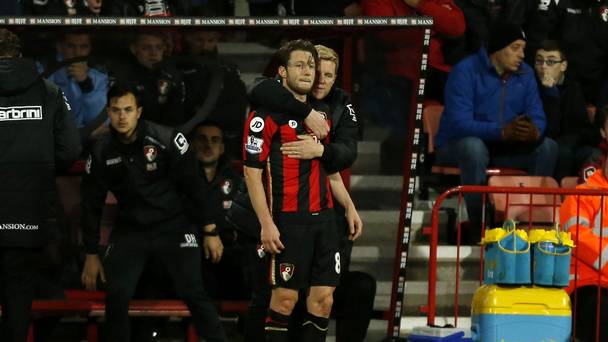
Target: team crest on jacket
{"points": [[286, 271], [226, 186], [163, 87], [150, 153], [604, 13]]}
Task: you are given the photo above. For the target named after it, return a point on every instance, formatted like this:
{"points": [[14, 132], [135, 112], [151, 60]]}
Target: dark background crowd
{"points": [[562, 60]]}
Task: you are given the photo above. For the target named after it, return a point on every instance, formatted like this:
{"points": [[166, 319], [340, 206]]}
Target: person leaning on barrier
{"points": [[149, 168], [37, 133]]}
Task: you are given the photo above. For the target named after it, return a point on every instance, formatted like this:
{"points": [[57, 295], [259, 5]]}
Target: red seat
{"points": [[569, 182], [517, 206], [431, 116]]}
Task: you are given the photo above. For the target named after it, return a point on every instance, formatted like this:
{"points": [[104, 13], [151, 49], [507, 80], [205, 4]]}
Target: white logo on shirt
{"points": [[190, 241], [351, 111], [254, 145], [256, 124], [181, 143], [19, 113], [293, 123]]}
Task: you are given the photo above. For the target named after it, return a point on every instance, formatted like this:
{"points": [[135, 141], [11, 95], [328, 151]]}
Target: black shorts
{"points": [[311, 256]]}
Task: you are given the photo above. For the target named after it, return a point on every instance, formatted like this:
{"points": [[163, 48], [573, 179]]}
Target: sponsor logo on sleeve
{"points": [[20, 113], [254, 145], [256, 125], [351, 112], [67, 103], [181, 143]]}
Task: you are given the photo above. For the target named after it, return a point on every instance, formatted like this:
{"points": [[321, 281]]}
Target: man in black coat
{"points": [[29, 107]]}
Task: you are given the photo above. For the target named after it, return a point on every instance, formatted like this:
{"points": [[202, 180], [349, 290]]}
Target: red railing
{"points": [[485, 191]]}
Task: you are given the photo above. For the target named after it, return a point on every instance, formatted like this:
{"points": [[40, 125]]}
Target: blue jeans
{"points": [[473, 156]]}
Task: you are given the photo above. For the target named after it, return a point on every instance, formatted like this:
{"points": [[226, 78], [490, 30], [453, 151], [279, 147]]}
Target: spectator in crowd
{"points": [[596, 160], [223, 280], [146, 8], [148, 168], [33, 143], [90, 8], [581, 28], [566, 111], [584, 217], [481, 15], [493, 116], [295, 265], [448, 22], [11, 7], [352, 316], [200, 65], [159, 84], [85, 87], [392, 68], [339, 8], [48, 7]]}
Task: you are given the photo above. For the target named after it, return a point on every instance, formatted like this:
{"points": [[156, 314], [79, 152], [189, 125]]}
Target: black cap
{"points": [[502, 34]]}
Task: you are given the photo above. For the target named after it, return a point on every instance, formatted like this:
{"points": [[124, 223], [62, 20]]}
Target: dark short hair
{"points": [[552, 45], [120, 89], [62, 36], [207, 123], [285, 51], [10, 45]]}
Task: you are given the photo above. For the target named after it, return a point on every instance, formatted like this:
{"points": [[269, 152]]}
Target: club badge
{"points": [[150, 153], [226, 186], [286, 271]]}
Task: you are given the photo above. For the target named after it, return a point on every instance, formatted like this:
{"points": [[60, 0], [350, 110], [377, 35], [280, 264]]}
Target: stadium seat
{"points": [[569, 182], [431, 116], [544, 207]]}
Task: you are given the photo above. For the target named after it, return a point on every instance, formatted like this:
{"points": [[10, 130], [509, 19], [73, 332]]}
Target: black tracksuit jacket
{"points": [[37, 130], [149, 178]]}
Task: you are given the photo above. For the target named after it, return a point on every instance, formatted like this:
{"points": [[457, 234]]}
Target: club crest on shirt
{"points": [[293, 124], [150, 153], [226, 186], [286, 271]]}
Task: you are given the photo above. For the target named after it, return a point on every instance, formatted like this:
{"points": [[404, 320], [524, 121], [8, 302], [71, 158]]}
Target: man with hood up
{"points": [[29, 107]]}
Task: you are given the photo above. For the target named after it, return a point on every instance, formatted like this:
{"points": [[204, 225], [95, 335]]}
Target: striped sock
{"points": [[314, 328], [277, 327]]}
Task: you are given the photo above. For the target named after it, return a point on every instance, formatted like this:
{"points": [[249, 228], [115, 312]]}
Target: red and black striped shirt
{"points": [[295, 186]]}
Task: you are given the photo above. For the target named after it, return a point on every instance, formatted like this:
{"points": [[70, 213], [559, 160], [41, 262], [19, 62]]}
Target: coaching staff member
{"points": [[148, 168], [29, 107]]}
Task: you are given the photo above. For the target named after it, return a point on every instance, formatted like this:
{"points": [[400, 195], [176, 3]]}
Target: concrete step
{"points": [[250, 57], [416, 296], [368, 158]]}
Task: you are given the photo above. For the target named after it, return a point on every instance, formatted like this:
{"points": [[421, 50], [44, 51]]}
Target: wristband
{"points": [[213, 232]]}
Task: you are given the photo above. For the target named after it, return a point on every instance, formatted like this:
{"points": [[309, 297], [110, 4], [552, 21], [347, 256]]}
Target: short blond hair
{"points": [[328, 54]]}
